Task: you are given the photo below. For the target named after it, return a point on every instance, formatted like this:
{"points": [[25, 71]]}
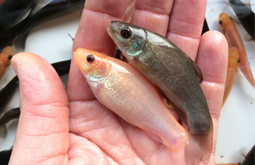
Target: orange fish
{"points": [[5, 60], [233, 63], [234, 39], [125, 91]]}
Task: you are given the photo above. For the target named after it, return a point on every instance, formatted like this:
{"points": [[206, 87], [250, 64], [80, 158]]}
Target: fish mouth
{"points": [[112, 34]]}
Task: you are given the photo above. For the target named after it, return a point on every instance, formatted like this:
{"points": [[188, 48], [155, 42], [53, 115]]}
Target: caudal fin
{"points": [[199, 149]]}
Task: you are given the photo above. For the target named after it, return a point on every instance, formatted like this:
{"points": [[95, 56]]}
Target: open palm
{"points": [[59, 127]]}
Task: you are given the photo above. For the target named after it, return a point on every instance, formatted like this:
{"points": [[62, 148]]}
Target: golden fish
{"points": [[125, 91]]}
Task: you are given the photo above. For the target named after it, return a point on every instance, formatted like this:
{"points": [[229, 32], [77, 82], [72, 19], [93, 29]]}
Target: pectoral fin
{"points": [[197, 71]]}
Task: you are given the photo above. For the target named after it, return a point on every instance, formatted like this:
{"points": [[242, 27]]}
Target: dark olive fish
{"points": [[245, 16], [13, 10], [7, 92], [250, 157], [9, 115], [62, 68], [205, 27], [55, 9], [7, 37], [165, 65], [5, 156]]}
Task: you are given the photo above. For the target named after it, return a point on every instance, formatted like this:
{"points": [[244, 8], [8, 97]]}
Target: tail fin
{"points": [[199, 149]]}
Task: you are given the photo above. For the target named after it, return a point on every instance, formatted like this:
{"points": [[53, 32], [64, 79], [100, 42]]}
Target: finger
{"points": [[152, 15], [91, 34], [185, 26], [212, 60], [43, 129]]}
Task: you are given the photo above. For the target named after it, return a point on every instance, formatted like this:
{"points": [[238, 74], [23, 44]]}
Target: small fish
{"points": [[6, 94], [169, 68], [234, 39], [125, 91], [12, 10], [9, 115], [8, 36], [5, 117], [55, 9], [233, 63], [62, 68], [245, 16], [5, 60]]}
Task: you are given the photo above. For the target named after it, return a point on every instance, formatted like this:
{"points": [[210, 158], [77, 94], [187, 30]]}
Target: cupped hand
{"points": [[73, 127]]}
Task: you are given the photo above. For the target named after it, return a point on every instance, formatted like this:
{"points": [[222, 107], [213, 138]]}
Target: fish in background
{"points": [[169, 68], [7, 37], [6, 94], [11, 11], [5, 60], [233, 63], [234, 39], [6, 116], [55, 9], [245, 15], [125, 91]]}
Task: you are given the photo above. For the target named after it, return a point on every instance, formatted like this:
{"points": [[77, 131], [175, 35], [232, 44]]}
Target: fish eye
{"points": [[238, 60], [90, 58], [9, 57], [231, 18], [220, 22], [125, 32]]}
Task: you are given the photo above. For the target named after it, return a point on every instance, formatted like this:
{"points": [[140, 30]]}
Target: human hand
{"points": [[59, 127]]}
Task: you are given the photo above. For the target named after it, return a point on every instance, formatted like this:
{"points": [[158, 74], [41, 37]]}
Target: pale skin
{"points": [[59, 127]]}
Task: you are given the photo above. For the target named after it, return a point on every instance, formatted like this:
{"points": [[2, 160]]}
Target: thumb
{"points": [[43, 128]]}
